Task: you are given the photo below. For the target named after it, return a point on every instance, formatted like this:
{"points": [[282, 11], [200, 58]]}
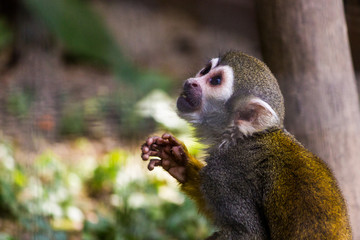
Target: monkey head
{"points": [[234, 91]]}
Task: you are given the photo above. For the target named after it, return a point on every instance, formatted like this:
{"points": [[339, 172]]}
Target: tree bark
{"points": [[305, 44]]}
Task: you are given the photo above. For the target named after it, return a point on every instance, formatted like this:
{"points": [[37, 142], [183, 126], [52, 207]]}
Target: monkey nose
{"points": [[191, 84]]}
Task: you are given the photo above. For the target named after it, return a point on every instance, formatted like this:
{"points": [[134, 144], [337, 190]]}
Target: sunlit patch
{"points": [[161, 110], [169, 194]]}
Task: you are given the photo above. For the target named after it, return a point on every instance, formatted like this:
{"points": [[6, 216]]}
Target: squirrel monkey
{"points": [[258, 181]]}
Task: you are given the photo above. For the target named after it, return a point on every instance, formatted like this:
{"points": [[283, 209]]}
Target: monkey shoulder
{"points": [[293, 168], [291, 160]]}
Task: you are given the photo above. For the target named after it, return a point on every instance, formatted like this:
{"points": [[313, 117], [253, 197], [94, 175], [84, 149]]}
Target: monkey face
{"points": [[235, 92], [212, 85]]}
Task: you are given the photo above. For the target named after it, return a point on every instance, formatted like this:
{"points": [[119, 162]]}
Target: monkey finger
{"points": [[151, 140], [166, 149], [144, 156], [145, 148], [153, 163], [164, 155], [154, 147], [179, 154], [153, 153], [172, 140], [166, 135], [160, 141]]}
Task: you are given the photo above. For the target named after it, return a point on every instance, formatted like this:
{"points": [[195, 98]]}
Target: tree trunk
{"points": [[305, 44]]}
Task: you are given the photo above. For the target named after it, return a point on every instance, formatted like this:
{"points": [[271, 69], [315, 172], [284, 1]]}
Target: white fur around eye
{"points": [[225, 90]]}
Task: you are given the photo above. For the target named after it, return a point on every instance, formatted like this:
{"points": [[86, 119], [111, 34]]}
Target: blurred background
{"points": [[84, 82]]}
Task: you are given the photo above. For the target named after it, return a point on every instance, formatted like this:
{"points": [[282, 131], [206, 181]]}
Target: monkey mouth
{"points": [[188, 102]]}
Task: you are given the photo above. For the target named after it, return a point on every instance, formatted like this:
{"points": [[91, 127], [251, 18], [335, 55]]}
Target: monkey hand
{"points": [[173, 156], [170, 153]]}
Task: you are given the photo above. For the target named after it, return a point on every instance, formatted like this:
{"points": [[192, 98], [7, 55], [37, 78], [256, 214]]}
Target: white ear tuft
{"points": [[254, 116], [214, 62]]}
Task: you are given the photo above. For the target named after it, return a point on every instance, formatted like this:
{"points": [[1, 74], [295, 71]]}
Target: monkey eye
{"points": [[216, 80], [206, 70]]}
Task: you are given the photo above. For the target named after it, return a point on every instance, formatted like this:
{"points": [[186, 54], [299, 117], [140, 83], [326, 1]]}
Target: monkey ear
{"points": [[254, 116]]}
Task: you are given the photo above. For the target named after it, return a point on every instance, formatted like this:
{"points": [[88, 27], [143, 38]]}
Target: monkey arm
{"points": [[174, 157], [191, 186]]}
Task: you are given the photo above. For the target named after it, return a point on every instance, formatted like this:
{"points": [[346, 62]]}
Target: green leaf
{"points": [[80, 30]]}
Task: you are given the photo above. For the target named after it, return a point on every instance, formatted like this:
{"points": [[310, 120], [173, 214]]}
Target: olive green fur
{"points": [[302, 199]]}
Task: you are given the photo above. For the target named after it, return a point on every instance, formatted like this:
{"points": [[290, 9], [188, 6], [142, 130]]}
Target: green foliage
{"points": [[141, 208], [149, 80], [19, 102], [12, 184], [5, 35], [4, 236], [35, 196], [133, 125], [84, 35], [49, 200], [77, 118], [72, 121], [8, 191], [106, 172], [80, 30], [162, 222], [47, 195], [11, 181], [89, 117], [41, 228], [139, 214]]}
